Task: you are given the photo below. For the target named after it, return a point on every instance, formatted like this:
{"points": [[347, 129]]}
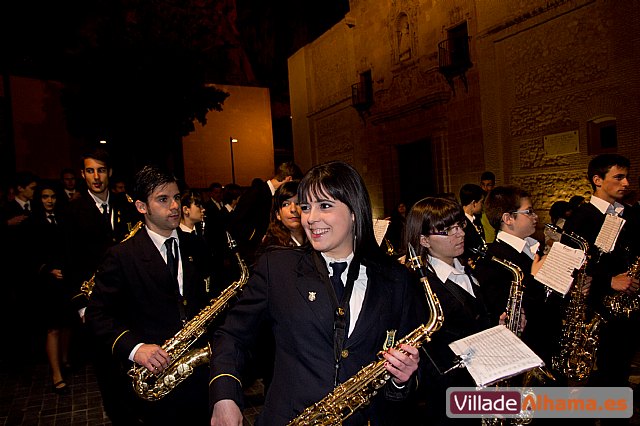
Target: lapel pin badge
{"points": [[312, 296]]}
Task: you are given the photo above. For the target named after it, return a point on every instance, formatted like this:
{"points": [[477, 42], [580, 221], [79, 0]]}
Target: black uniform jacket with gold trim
{"points": [[290, 289], [135, 299]]}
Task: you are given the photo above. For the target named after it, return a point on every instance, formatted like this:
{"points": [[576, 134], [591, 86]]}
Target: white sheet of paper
{"points": [[556, 272], [609, 232], [380, 229], [495, 354]]}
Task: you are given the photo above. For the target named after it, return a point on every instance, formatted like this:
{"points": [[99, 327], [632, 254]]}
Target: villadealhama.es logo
{"points": [[539, 402]]}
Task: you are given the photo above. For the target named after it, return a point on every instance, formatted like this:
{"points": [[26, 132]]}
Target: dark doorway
{"points": [[416, 171]]}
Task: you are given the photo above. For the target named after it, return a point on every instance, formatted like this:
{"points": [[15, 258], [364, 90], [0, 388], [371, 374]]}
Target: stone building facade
{"points": [[422, 96]]}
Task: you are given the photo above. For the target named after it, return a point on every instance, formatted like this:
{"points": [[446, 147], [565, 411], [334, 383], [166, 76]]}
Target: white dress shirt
{"points": [[359, 288]]}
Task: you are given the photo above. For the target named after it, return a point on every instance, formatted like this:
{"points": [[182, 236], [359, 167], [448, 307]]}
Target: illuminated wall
{"points": [[246, 116]]}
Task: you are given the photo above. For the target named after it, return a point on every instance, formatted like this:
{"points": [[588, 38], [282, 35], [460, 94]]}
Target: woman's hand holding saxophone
{"points": [[401, 364]]}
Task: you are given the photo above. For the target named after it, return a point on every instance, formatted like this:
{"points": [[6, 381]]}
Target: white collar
{"points": [[186, 229], [329, 260], [271, 187], [98, 201], [519, 244], [603, 205], [158, 240], [22, 203], [444, 270]]}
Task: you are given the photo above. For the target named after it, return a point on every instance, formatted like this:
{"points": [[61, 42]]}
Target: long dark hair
{"points": [[340, 181], [277, 233], [36, 204], [429, 215]]}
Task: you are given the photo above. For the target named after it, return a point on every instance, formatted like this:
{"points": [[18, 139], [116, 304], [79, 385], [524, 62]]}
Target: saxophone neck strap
{"points": [[341, 311]]}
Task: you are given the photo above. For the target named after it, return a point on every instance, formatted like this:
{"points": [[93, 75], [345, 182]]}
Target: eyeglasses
{"points": [[451, 230], [528, 212]]}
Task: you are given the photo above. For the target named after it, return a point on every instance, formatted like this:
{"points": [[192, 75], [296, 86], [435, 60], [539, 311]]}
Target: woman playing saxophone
{"points": [[436, 227], [326, 325]]}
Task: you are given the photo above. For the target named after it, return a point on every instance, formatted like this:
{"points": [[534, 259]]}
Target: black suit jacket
{"points": [[88, 236], [135, 298], [464, 315], [543, 311], [250, 218], [472, 240], [290, 289], [586, 221]]}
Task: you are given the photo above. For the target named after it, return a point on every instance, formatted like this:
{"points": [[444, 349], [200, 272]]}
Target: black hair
{"points": [[99, 154], [501, 200], [469, 193], [429, 215], [601, 164], [340, 181], [560, 210], [189, 197], [23, 179], [487, 175], [277, 233], [148, 179]]}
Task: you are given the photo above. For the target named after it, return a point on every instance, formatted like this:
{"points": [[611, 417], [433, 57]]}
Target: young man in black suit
{"points": [[510, 211], [608, 175], [147, 288], [471, 199], [96, 220]]}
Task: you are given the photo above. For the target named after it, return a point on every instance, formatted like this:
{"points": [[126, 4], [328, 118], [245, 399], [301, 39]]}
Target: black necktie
{"points": [[52, 218], [336, 278], [172, 261], [26, 208], [105, 213]]}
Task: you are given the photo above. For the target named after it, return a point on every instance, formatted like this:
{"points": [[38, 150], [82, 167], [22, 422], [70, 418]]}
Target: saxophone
{"points": [[621, 304], [512, 322], [87, 286], [357, 392], [154, 387], [580, 335]]}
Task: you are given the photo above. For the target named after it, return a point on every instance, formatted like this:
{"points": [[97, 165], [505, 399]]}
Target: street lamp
{"points": [[232, 140]]}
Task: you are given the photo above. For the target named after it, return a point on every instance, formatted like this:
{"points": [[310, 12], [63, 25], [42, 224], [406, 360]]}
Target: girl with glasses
{"points": [[435, 228]]}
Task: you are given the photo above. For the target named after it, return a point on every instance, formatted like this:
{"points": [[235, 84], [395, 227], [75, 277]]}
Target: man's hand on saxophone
{"points": [[623, 282], [153, 357], [401, 364], [226, 413]]}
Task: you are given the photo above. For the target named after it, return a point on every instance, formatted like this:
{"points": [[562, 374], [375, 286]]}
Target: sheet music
{"points": [[380, 229], [608, 235], [495, 354], [557, 270]]}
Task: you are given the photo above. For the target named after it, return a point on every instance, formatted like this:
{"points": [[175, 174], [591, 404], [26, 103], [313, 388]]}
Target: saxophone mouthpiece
{"points": [[554, 228], [414, 261]]}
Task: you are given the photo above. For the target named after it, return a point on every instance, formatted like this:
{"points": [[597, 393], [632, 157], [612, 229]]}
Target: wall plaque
{"points": [[564, 143]]}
